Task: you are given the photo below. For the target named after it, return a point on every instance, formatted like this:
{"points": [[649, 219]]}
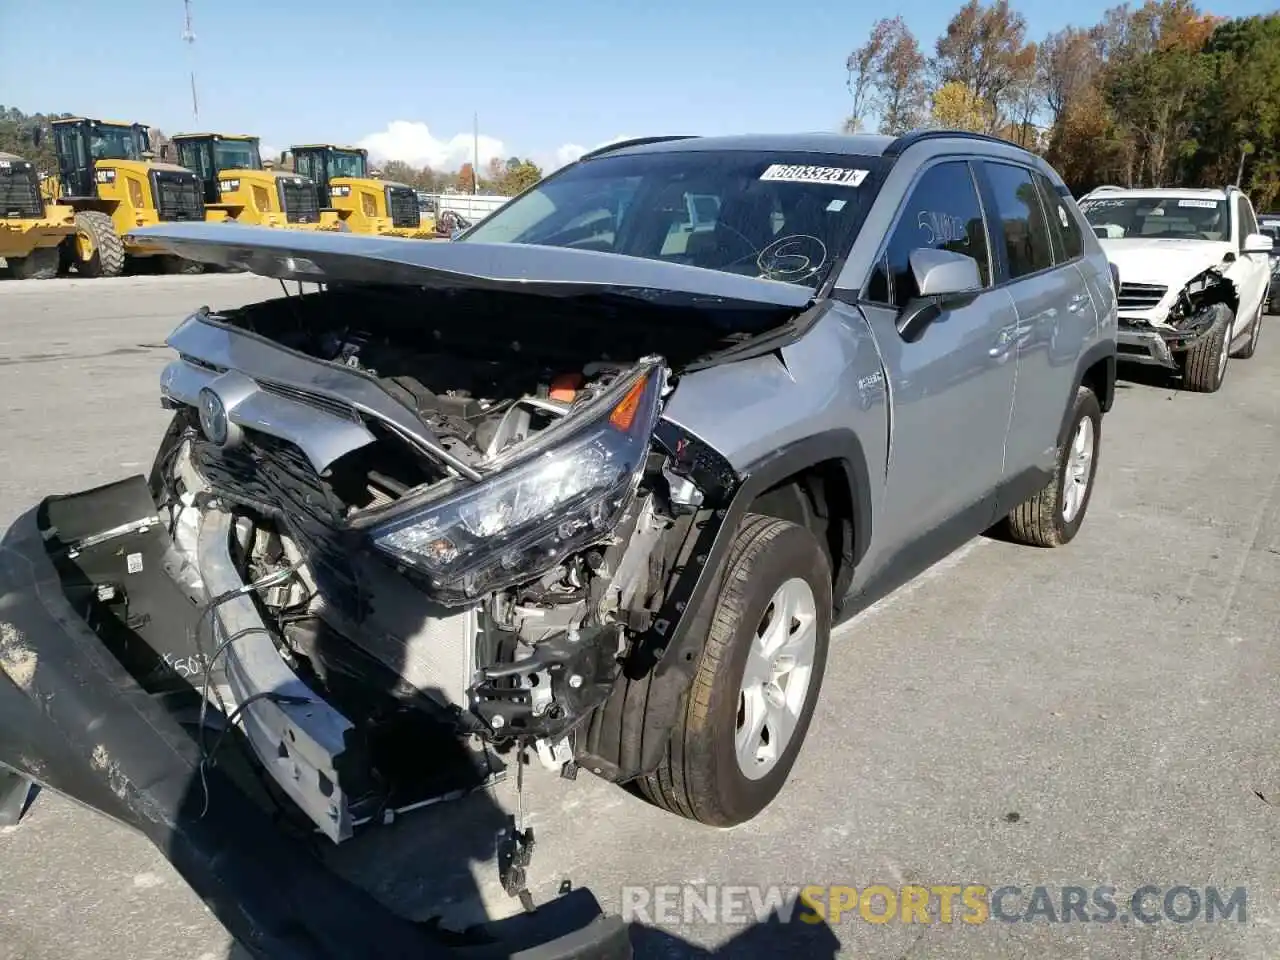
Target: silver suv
{"points": [[587, 481]]}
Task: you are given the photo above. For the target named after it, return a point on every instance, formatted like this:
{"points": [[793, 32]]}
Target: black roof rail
{"points": [[635, 142], [899, 145]]}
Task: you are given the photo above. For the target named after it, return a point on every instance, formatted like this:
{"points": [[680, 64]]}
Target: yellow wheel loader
{"points": [[30, 229], [363, 203], [238, 189], [108, 175]]}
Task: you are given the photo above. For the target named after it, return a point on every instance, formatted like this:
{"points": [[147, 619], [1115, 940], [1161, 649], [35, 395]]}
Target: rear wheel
{"points": [[1255, 331], [1053, 516], [99, 251], [41, 264], [1204, 366], [757, 680]]}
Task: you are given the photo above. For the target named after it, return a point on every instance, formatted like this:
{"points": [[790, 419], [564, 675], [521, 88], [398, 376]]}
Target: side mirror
{"points": [[1258, 243], [940, 276]]}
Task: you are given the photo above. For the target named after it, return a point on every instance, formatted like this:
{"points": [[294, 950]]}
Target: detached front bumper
{"points": [[75, 720], [1157, 346]]}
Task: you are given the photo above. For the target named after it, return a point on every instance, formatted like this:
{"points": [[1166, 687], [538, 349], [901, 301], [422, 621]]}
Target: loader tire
{"points": [[41, 264], [180, 265], [1204, 365], [773, 566], [99, 251]]}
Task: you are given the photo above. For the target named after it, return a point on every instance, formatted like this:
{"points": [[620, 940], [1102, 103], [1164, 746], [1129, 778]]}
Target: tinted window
{"points": [[1067, 241], [1021, 219], [942, 213], [777, 215]]}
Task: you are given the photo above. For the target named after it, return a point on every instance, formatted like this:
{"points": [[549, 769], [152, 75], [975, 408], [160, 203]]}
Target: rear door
{"points": [[1256, 278], [951, 390], [1056, 315]]}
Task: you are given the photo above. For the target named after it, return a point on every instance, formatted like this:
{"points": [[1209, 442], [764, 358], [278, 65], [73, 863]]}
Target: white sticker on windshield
{"points": [[835, 206], [1202, 204], [1062, 215], [799, 173]]}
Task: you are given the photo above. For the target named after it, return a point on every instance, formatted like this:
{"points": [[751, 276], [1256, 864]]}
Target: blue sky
{"points": [[405, 77]]}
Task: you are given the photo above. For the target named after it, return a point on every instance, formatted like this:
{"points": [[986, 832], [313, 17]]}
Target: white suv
{"points": [[1193, 273]]}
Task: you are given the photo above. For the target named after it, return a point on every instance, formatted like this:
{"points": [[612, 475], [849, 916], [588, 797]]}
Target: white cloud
{"points": [[569, 152], [413, 142]]}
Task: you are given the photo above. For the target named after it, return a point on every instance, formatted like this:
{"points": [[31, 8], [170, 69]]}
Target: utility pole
{"points": [[475, 153], [189, 36]]}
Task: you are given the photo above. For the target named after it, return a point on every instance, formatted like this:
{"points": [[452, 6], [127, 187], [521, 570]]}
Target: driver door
{"points": [[952, 389]]}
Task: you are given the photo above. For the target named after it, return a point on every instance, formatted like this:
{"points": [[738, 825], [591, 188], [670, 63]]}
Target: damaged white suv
{"points": [[1194, 272]]}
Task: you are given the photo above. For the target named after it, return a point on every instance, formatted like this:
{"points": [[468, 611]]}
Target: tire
{"points": [[41, 264], [700, 776], [180, 265], [1255, 332], [1052, 517], [1204, 365], [106, 256]]}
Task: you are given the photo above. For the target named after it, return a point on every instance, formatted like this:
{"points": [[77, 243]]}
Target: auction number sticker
{"points": [[798, 173], [1202, 204]]}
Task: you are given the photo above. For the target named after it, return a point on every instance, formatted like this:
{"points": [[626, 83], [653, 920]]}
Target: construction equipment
{"points": [[239, 188], [30, 229], [363, 203], [108, 175]]}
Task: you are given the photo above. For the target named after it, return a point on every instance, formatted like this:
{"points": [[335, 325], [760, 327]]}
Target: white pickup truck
{"points": [[1194, 276]]}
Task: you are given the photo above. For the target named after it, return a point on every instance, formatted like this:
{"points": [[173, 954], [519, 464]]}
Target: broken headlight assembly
{"points": [[566, 493]]}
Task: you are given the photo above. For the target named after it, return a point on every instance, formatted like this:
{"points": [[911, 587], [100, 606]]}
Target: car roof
{"points": [[1214, 193], [860, 145]]}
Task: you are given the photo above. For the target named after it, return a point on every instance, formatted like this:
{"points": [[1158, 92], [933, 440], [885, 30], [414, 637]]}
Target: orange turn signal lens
{"points": [[624, 414]]}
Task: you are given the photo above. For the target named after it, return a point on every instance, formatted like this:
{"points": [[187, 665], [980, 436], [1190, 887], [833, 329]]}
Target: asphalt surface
{"points": [[1105, 714]]}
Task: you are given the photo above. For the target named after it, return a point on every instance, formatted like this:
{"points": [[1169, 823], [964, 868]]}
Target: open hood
{"points": [[547, 271], [1169, 263]]}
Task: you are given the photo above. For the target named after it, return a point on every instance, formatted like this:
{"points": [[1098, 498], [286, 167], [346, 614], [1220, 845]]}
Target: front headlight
{"points": [[525, 518]]}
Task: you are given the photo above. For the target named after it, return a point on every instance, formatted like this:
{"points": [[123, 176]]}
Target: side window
{"points": [[1246, 222], [942, 213], [1065, 229], [1021, 218]]}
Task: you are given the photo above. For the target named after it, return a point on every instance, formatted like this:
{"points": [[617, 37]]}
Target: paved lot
{"points": [[1100, 715]]}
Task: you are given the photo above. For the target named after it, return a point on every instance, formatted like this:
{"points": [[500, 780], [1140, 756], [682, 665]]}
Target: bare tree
{"points": [[1067, 63], [863, 67], [904, 94]]}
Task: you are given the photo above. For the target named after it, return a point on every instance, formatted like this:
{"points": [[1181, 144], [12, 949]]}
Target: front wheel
{"points": [[40, 264], [1204, 365], [1053, 516], [757, 680]]}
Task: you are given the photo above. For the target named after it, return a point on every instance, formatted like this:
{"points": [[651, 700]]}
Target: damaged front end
{"points": [[391, 545], [1152, 334]]}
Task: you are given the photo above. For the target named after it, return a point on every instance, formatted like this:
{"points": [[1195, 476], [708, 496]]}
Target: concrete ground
{"points": [[1104, 714]]}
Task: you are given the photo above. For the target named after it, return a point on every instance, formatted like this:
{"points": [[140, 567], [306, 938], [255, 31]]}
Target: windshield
{"points": [[781, 216], [113, 142], [1162, 218], [346, 163], [236, 155]]}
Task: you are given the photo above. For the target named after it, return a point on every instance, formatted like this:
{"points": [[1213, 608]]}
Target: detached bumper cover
{"points": [[74, 720], [1156, 346]]}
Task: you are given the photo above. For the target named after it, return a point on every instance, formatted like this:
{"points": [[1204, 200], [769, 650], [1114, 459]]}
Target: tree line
{"points": [[1162, 94], [31, 136]]}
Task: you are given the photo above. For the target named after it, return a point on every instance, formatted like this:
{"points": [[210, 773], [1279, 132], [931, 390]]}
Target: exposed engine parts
{"points": [[502, 607], [1190, 313]]}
